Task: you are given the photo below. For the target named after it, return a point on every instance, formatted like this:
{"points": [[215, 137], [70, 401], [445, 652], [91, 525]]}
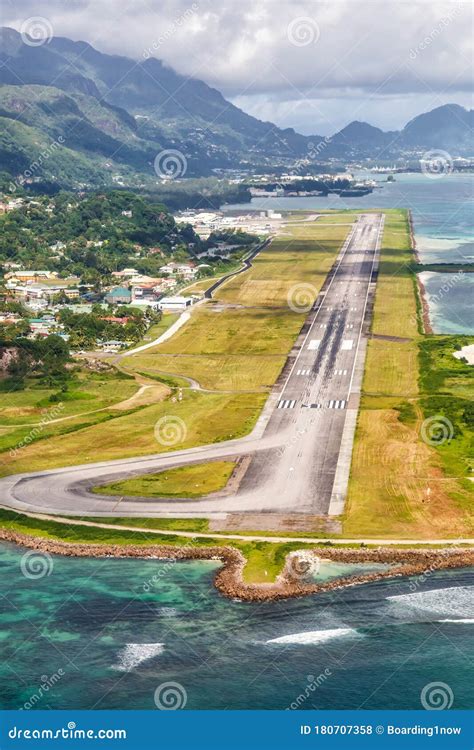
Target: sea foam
{"points": [[135, 653], [315, 636], [453, 601]]}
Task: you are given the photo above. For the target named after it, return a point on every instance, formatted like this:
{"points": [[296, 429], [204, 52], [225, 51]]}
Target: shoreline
{"points": [[413, 238], [425, 309], [229, 580]]}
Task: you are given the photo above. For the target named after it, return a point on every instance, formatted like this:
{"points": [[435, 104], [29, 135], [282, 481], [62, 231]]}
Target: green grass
{"points": [[447, 385], [157, 329], [265, 560], [244, 348], [187, 481], [39, 413], [86, 392], [400, 484], [202, 418]]}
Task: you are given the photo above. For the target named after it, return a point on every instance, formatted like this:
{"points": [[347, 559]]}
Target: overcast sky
{"points": [[309, 64]]}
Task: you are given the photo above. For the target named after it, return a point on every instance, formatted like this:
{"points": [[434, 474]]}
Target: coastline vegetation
{"points": [[406, 481], [387, 494]]}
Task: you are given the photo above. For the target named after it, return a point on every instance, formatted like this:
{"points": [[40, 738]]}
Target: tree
{"points": [[54, 353]]}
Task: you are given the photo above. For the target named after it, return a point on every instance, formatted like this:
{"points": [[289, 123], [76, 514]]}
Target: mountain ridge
{"points": [[119, 113]]}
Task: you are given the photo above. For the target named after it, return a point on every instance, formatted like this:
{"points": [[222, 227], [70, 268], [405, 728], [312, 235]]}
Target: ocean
{"points": [[130, 634], [100, 635], [443, 213]]}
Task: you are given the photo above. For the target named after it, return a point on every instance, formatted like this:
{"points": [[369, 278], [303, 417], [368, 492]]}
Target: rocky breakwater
{"points": [[299, 575]]}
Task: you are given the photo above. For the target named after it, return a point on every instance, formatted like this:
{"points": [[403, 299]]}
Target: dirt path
{"points": [[137, 399], [245, 538]]}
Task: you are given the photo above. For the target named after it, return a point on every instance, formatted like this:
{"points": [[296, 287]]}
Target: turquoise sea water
{"points": [[443, 214], [111, 637], [450, 298], [108, 633]]}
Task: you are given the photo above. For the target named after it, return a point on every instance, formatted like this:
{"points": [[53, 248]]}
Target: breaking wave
{"points": [[315, 636], [135, 653], [454, 601]]}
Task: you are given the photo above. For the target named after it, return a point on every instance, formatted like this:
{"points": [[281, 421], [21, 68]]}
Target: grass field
{"points": [[38, 413], [200, 418], [236, 351], [400, 485], [186, 481], [239, 342], [158, 328], [265, 560], [302, 253]]}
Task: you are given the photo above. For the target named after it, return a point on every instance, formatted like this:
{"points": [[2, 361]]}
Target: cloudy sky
{"points": [[314, 65]]}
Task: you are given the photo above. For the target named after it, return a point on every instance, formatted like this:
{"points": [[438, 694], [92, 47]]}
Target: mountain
{"points": [[361, 138], [109, 116], [447, 127], [169, 109]]}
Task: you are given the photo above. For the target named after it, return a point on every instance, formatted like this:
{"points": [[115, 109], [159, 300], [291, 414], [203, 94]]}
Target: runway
{"points": [[300, 451]]}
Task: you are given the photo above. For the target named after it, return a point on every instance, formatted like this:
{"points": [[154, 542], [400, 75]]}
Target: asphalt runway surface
{"points": [[298, 456]]}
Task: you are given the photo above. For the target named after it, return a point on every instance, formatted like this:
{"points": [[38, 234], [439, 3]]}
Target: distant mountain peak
{"points": [[120, 113]]}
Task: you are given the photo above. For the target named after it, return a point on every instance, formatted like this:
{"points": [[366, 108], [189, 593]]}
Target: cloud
{"points": [[295, 61]]}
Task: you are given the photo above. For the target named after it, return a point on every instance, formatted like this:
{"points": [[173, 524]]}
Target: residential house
{"points": [[184, 270], [120, 295]]}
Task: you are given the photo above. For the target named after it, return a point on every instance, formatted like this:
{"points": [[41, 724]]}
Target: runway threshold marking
{"points": [[337, 404], [286, 404]]}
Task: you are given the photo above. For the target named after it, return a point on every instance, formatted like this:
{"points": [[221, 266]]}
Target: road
{"points": [[192, 535], [300, 451], [246, 264]]}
